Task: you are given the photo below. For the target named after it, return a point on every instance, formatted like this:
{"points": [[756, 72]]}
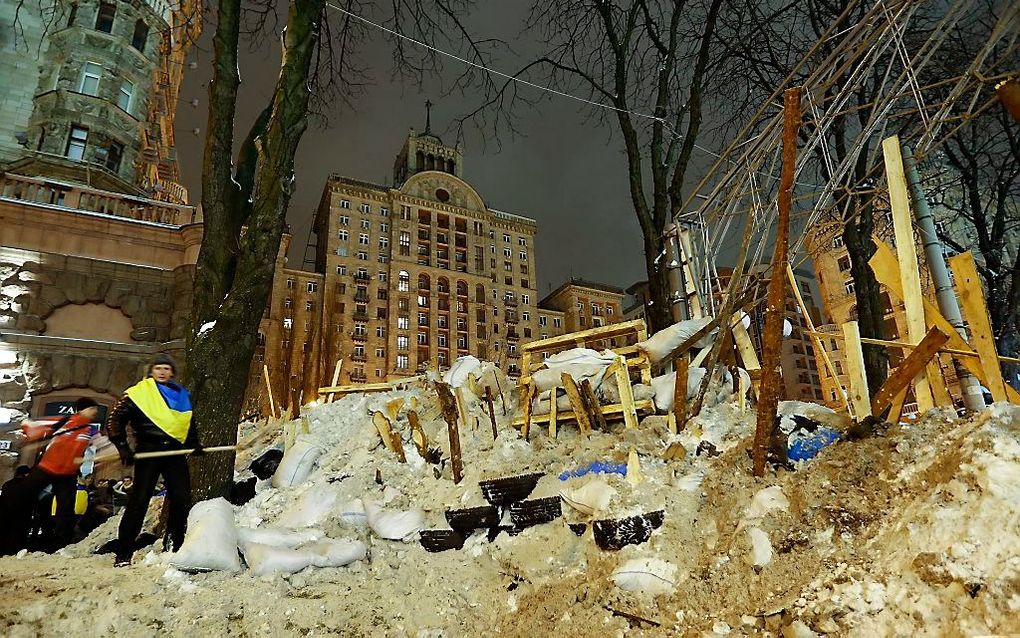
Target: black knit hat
{"points": [[163, 359], [84, 403]]}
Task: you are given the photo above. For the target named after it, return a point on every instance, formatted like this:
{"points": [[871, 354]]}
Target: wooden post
{"points": [[502, 399], [598, 420], [884, 265], [680, 394], [382, 425], [896, 411], [859, 395], [449, 406], [580, 413], [626, 394], [819, 346], [492, 412], [900, 378], [528, 397], [336, 378], [772, 334], [421, 442], [553, 412], [968, 287], [458, 394], [910, 277], [269, 389]]}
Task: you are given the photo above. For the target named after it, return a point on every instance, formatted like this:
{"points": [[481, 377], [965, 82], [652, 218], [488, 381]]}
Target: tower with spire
{"points": [[426, 152]]}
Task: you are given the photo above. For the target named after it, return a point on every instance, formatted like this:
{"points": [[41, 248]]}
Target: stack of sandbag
{"points": [[664, 342], [663, 387], [579, 363], [297, 463]]}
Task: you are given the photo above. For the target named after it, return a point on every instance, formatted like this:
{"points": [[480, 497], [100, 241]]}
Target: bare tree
{"points": [[643, 65]]}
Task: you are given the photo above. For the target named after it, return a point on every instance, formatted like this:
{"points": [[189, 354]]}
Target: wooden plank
{"points": [[602, 332], [458, 394], [591, 402], [269, 389], [748, 357], [901, 377], [612, 410], [885, 266], [817, 340], [553, 409], [626, 395], [449, 407], [896, 411], [492, 412], [910, 277], [577, 403], [972, 300], [421, 442], [680, 394], [365, 387], [336, 379], [528, 398], [389, 438], [859, 395]]}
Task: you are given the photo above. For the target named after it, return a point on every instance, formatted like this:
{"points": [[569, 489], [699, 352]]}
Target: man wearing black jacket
{"points": [[158, 410]]}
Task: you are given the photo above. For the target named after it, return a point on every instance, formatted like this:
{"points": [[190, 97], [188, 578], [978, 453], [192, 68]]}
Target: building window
{"points": [[402, 342], [380, 352], [287, 303], [380, 331], [442, 340], [506, 238], [341, 270], [114, 154], [341, 251], [385, 212], [525, 316], [423, 338], [312, 287], [525, 299], [290, 284], [76, 143], [848, 286], [90, 77], [837, 241], [401, 362], [309, 306], [360, 330], [594, 308], [507, 266], [543, 321], [844, 262], [343, 235], [384, 227], [127, 90], [344, 220], [523, 255], [609, 309], [140, 36], [403, 323], [363, 239], [346, 204], [362, 255], [383, 276], [365, 208], [384, 242], [507, 252], [104, 18], [556, 322], [521, 241], [288, 323]]}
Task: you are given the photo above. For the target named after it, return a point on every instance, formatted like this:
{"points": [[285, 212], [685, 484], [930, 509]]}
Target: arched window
{"points": [[462, 288], [403, 281], [480, 293], [419, 160], [423, 282], [443, 284]]}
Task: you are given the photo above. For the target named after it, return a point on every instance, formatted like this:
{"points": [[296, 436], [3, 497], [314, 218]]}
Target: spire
{"points": [[428, 116]]}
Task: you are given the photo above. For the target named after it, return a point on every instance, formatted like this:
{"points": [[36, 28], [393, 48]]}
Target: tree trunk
{"points": [[658, 315], [870, 307]]}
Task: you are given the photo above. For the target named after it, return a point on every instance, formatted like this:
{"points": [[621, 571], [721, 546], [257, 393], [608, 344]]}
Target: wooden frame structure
{"points": [[629, 361]]}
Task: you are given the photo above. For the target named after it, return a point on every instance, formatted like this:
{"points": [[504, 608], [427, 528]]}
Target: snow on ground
{"points": [[916, 532]]}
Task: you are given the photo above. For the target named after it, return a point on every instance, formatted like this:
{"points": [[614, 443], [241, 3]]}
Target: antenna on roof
{"points": [[428, 116]]}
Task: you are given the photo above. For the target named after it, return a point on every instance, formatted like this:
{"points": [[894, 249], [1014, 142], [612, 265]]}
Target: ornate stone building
{"points": [[584, 304], [98, 245], [408, 277]]}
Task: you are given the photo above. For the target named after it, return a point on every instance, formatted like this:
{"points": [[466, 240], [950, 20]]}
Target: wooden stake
{"points": [[884, 265], [553, 412], [577, 403], [972, 298], [680, 394], [772, 334], [910, 277], [382, 425], [492, 412], [458, 394], [598, 420], [528, 397], [449, 406], [269, 389], [896, 411], [901, 377], [421, 442], [626, 394], [855, 370], [336, 378]]}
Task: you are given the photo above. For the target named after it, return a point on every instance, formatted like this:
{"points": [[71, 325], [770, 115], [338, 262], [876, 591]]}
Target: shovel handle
{"points": [[153, 455]]}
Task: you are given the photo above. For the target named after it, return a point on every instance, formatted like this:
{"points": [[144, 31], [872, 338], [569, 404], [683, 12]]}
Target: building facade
{"points": [[98, 242], [585, 304], [408, 277]]}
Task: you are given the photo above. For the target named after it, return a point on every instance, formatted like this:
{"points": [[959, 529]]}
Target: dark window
{"points": [[73, 14], [76, 143], [114, 155], [140, 36], [104, 19]]}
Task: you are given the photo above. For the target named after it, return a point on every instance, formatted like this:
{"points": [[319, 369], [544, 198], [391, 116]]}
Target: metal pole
{"points": [[949, 306], [678, 302]]}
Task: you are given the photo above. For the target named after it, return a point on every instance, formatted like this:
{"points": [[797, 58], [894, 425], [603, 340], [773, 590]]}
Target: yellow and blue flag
{"points": [[167, 405]]}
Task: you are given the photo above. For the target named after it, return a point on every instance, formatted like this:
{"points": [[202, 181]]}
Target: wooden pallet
{"points": [[635, 330]]}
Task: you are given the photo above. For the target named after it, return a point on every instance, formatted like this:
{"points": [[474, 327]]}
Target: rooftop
{"points": [[578, 282]]}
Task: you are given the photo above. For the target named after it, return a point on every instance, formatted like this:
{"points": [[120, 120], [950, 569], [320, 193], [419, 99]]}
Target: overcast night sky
{"points": [[566, 173]]}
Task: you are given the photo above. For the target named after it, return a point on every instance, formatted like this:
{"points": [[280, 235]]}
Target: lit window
{"points": [[76, 143], [402, 362], [848, 286], [609, 309], [402, 342], [127, 90], [403, 323], [312, 287], [288, 323], [90, 77], [837, 241], [309, 306]]}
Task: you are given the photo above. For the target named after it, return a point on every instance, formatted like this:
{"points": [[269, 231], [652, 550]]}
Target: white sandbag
{"points": [[297, 464], [353, 513], [761, 547], [579, 356], [542, 403], [211, 541], [457, 375], [265, 559], [278, 537], [662, 343], [551, 377], [331, 552], [593, 496], [394, 524], [649, 575], [311, 508]]}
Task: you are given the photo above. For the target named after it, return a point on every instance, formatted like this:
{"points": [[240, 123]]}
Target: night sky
{"points": [[564, 170]]}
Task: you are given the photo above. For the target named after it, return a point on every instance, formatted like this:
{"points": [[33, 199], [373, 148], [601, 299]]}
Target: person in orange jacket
{"points": [[57, 468]]}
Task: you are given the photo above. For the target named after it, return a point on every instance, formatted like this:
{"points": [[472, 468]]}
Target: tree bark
{"points": [[857, 236]]}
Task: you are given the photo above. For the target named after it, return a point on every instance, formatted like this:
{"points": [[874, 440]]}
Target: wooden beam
{"points": [[819, 346], [591, 402], [626, 394], [269, 389], [883, 262], [972, 298], [602, 332], [896, 411], [577, 403], [421, 442], [680, 394], [336, 378], [449, 407], [910, 346], [910, 276], [613, 410], [900, 377], [859, 396], [528, 398], [553, 412], [772, 334], [492, 412]]}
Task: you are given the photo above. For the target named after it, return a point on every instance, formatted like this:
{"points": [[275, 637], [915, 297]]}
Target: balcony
{"points": [[510, 303], [512, 335], [358, 377], [362, 276], [359, 357], [77, 198], [361, 298]]}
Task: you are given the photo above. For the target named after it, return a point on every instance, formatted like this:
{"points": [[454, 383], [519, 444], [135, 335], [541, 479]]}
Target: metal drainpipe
{"points": [[678, 302], [949, 306]]}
